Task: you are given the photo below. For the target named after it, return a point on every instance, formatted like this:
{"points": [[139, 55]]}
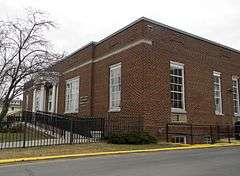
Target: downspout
{"points": [[92, 80]]}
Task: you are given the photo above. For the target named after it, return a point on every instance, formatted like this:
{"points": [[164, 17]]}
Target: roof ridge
{"points": [[190, 34], [159, 24]]}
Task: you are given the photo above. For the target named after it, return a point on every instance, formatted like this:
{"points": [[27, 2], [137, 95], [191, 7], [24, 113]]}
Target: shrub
{"points": [[11, 129], [132, 138]]}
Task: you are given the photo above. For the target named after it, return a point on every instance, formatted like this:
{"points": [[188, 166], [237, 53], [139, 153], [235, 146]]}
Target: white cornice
{"points": [[79, 66], [142, 41], [149, 42]]}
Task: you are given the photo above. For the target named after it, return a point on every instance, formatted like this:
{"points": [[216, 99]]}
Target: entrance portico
{"points": [[45, 94]]}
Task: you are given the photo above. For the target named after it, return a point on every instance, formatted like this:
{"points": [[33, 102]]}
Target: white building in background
{"points": [[15, 107]]}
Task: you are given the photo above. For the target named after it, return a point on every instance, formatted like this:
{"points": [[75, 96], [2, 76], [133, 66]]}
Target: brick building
{"points": [[147, 68]]}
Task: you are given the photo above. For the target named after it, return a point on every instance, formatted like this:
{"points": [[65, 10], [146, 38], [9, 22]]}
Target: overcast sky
{"points": [[80, 22]]}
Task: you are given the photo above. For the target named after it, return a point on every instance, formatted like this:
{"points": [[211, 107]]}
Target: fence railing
{"points": [[42, 129], [201, 133]]}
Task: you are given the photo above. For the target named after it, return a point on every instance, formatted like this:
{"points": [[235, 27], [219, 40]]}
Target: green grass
{"points": [[76, 149]]}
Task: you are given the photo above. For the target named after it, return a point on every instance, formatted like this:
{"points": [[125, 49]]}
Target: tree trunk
{"points": [[4, 111]]}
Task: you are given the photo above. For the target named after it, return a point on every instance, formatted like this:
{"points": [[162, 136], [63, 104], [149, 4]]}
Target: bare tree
{"points": [[24, 52]]}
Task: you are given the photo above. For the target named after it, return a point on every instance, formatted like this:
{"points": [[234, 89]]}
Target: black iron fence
{"points": [[193, 133], [43, 129]]}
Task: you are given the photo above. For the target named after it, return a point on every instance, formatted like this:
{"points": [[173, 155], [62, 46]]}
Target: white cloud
{"points": [[83, 21]]}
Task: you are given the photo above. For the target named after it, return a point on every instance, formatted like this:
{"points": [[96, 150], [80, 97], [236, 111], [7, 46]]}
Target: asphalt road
{"points": [[201, 162]]}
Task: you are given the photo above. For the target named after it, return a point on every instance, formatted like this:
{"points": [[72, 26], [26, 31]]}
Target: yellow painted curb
{"points": [[185, 147]]}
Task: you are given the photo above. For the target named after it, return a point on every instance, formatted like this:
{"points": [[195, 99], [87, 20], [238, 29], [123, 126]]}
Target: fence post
{"points": [[71, 131], [102, 127], [108, 123], [25, 130], [229, 137], [139, 123], [211, 134], [167, 133], [191, 128], [218, 132]]}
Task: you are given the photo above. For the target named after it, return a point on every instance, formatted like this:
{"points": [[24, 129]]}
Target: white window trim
{"points": [[114, 109], [178, 110], [115, 65], [207, 139], [235, 78], [69, 80], [215, 73], [117, 109], [181, 66], [185, 139]]}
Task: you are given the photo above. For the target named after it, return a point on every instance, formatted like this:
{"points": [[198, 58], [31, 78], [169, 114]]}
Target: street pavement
{"points": [[198, 162]]}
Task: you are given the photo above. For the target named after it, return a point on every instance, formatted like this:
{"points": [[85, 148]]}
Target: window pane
{"points": [[217, 94], [234, 83], [216, 79], [235, 95], [216, 87], [178, 88], [115, 86], [72, 95], [176, 85], [235, 106]]}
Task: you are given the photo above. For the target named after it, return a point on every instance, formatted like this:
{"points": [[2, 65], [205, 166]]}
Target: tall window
{"points": [[72, 95], [177, 86], [115, 87], [235, 95], [217, 92]]}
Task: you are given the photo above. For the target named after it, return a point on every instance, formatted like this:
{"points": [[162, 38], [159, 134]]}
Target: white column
{"points": [[33, 100], [53, 98], [27, 103], [56, 104], [42, 98]]}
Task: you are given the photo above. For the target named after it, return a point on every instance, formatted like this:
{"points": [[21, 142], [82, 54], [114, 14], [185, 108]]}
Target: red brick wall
{"points": [[76, 58], [127, 36], [84, 74], [146, 76], [200, 59], [131, 82]]}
